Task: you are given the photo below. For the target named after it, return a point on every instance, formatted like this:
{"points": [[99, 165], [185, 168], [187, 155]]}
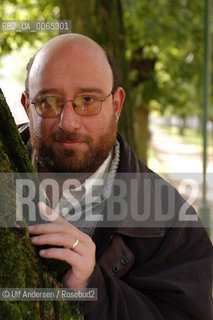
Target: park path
{"points": [[176, 155], [181, 160]]}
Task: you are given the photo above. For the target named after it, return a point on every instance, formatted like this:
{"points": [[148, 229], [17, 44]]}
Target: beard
{"points": [[73, 160]]}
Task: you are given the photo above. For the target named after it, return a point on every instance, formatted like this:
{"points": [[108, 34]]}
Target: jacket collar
{"points": [[128, 164]]}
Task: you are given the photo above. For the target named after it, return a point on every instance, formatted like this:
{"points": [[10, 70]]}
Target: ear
{"points": [[118, 100], [25, 102]]}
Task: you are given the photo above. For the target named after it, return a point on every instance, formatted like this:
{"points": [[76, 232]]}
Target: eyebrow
{"points": [[90, 89], [79, 90]]}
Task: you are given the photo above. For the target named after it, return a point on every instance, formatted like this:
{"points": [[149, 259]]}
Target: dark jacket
{"points": [[159, 273]]}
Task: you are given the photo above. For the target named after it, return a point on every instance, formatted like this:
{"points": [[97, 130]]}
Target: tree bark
{"points": [[21, 266]]}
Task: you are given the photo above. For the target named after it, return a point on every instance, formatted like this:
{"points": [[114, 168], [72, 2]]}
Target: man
{"points": [[73, 104]]}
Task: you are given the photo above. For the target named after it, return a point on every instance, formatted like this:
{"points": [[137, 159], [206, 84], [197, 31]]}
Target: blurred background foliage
{"points": [[157, 45]]}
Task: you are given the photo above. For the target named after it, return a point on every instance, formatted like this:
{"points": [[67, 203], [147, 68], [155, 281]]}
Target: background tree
{"points": [[165, 50]]}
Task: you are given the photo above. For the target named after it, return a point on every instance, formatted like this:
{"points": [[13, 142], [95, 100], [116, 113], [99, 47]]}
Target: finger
{"points": [[71, 257], [59, 239], [53, 227], [48, 214]]}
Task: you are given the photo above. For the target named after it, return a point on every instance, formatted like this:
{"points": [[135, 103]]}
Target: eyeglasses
{"points": [[83, 105]]}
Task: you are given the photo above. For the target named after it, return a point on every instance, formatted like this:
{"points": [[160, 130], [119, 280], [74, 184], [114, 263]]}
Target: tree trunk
{"points": [[144, 85], [182, 126], [141, 132], [21, 266]]}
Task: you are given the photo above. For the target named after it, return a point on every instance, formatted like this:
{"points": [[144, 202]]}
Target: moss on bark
{"points": [[21, 266]]}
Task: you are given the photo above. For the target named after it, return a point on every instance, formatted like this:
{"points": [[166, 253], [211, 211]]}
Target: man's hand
{"points": [[62, 233]]}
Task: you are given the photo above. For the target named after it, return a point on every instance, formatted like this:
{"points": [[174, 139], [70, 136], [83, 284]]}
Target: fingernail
{"points": [[34, 239], [42, 252]]}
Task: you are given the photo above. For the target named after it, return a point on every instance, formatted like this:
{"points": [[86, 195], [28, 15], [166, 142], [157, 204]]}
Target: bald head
{"points": [[70, 46], [71, 40]]}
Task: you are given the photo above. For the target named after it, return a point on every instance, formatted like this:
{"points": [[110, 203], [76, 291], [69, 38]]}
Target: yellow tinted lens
{"points": [[49, 107], [86, 105]]}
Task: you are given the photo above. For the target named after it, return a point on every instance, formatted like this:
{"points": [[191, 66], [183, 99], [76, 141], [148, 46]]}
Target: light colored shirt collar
{"points": [[99, 174]]}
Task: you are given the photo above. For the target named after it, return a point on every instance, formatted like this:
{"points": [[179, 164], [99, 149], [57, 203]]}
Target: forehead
{"points": [[68, 66]]}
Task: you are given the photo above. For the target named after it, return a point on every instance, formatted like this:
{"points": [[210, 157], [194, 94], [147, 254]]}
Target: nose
{"points": [[69, 120]]}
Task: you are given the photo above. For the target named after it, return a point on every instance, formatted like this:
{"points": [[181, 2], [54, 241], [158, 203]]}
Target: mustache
{"points": [[68, 136]]}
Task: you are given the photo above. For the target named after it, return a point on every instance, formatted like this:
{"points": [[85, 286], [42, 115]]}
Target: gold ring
{"points": [[75, 243]]}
